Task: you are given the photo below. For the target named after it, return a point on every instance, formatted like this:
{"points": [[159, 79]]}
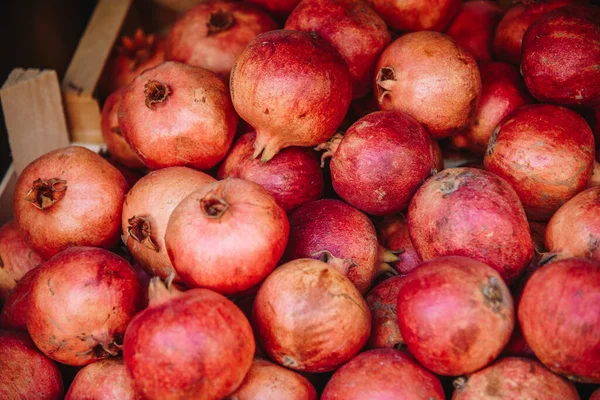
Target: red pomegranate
{"points": [[266, 380], [146, 212], [517, 346], [131, 175], [80, 303], [431, 78], [352, 27], [178, 115], [201, 336], [502, 91], [293, 177], [105, 379], [514, 378], [595, 395], [393, 234], [380, 162], [309, 317], [69, 197], [212, 34], [560, 318], [293, 87], [26, 373], [382, 300], [473, 213], [14, 312], [16, 258], [595, 178], [118, 148], [416, 15], [474, 26], [455, 314], [383, 374], [226, 236], [512, 27], [546, 153]]}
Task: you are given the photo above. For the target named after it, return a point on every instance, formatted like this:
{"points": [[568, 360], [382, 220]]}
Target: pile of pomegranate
{"points": [[272, 218]]}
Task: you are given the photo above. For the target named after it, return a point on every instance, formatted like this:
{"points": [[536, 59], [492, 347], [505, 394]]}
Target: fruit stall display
{"points": [[283, 199]]}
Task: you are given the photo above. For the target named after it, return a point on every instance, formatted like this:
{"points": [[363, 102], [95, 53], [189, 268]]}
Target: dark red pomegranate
{"points": [[502, 91], [14, 312], [393, 234], [16, 258], [226, 236], [105, 379], [383, 374], [146, 212], [26, 373], [266, 380], [279, 8], [514, 378], [546, 153], [595, 395], [69, 197], [473, 213], [80, 303], [178, 115], [212, 34], [352, 27], [560, 56], [416, 15], [382, 300], [455, 314], [293, 177], [560, 318], [309, 317], [293, 87], [201, 336], [431, 78], [380, 162]]}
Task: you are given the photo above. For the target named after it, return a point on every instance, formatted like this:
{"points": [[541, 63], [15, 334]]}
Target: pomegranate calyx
{"points": [[547, 258], [343, 265], [138, 48], [389, 256], [219, 21], [44, 194], [459, 383], [386, 269], [385, 81], [140, 230], [492, 293], [330, 147], [159, 292], [213, 205], [156, 93]]}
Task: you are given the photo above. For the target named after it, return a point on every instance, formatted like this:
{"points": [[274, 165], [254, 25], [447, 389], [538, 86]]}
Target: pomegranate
{"points": [[431, 78], [382, 300], [564, 330], [416, 15], [292, 177], [393, 234], [131, 175], [595, 395], [383, 374], [512, 27], [560, 56], [293, 87], [178, 115], [546, 153], [309, 317], [503, 90], [226, 236], [595, 178], [146, 212], [514, 378], [380, 162], [266, 380], [201, 336], [16, 258], [26, 373], [118, 148], [352, 27], [80, 303], [212, 34], [455, 314], [517, 346], [14, 312], [279, 8], [69, 197], [473, 213], [105, 379], [474, 26]]}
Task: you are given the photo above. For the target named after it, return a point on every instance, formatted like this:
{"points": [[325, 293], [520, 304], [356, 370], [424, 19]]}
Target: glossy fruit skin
{"points": [[393, 234], [104, 379], [383, 374], [563, 331], [382, 299], [293, 177], [26, 373], [212, 34], [473, 213], [546, 153], [416, 15], [455, 314], [192, 124], [309, 317], [352, 27], [14, 311], [514, 378], [412, 75], [89, 214]]}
